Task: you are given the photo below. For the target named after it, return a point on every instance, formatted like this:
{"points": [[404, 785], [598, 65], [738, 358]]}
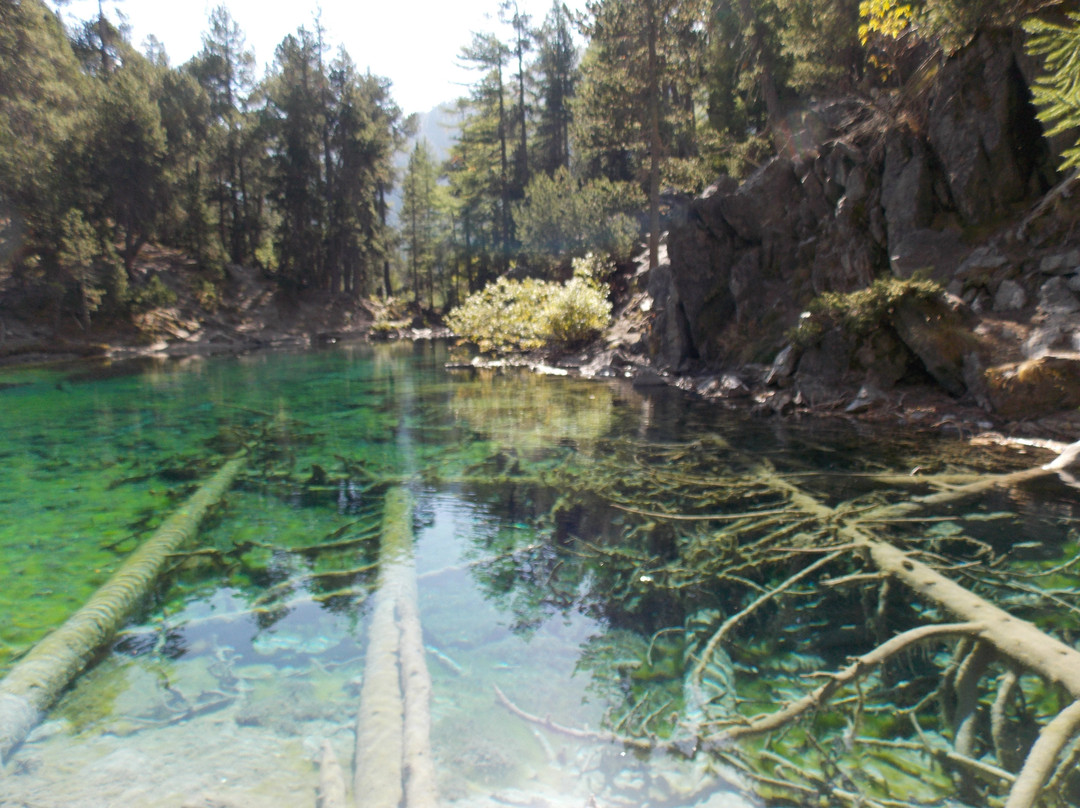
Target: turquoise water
{"points": [[576, 543]]}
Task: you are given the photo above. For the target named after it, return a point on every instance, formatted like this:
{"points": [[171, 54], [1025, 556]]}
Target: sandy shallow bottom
{"points": [[213, 762]]}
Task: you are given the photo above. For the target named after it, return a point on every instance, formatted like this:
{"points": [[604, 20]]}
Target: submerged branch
{"points": [[1043, 756], [860, 667], [580, 734]]}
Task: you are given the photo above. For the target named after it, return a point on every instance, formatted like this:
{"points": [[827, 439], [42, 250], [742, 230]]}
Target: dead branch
{"points": [[581, 734], [693, 517], [1004, 743], [860, 667], [1043, 756], [716, 639]]}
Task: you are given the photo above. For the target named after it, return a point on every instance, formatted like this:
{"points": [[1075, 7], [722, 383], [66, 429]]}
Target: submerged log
{"points": [[394, 765], [331, 780], [37, 680]]}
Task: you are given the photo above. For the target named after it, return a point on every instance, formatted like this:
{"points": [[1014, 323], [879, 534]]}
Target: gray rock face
{"points": [[907, 192], [761, 204], [940, 252], [983, 129], [746, 259]]}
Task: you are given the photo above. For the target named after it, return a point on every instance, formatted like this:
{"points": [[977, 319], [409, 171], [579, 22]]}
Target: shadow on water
{"points": [[577, 547]]}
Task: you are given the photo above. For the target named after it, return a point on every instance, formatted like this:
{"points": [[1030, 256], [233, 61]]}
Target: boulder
{"points": [[828, 362], [783, 365], [981, 261], [1035, 387], [868, 396], [884, 359], [1057, 327], [1055, 297], [1060, 263], [1010, 296], [936, 331]]}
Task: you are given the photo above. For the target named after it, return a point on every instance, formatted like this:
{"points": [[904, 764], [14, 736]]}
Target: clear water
{"points": [[543, 571]]}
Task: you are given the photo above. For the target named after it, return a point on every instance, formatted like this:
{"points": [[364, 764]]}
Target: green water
{"points": [[564, 557]]}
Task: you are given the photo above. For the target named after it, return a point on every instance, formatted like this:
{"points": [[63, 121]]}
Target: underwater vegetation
{"points": [[739, 598]]}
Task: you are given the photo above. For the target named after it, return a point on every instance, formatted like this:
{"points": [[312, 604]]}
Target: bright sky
{"points": [[414, 44]]}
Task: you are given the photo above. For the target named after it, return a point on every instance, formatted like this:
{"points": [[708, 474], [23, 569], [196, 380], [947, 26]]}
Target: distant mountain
{"points": [[438, 128]]}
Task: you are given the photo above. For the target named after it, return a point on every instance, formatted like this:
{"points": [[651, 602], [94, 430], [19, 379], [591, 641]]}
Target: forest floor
{"points": [[246, 312], [242, 312]]}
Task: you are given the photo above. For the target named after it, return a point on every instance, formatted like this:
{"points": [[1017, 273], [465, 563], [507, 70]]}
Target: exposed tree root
{"points": [[37, 680]]}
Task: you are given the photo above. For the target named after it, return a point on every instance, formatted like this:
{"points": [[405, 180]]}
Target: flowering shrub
{"points": [[523, 315]]}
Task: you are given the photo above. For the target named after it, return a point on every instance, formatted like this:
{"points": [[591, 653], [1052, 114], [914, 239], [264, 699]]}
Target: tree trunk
{"points": [[394, 765], [654, 135], [37, 680]]}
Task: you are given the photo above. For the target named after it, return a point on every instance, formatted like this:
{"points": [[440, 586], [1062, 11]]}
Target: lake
{"points": [[567, 553]]}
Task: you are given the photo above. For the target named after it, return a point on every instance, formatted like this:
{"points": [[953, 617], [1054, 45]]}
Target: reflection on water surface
{"points": [[577, 547]]}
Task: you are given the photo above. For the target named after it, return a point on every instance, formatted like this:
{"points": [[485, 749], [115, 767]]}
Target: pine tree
{"points": [[419, 220], [489, 127], [555, 82], [295, 117], [1057, 92], [124, 158], [522, 43], [627, 110], [225, 69]]}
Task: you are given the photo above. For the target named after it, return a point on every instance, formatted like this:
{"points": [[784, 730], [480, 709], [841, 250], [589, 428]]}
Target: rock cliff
{"points": [[946, 182]]}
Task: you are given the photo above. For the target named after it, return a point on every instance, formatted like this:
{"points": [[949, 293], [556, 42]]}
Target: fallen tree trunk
{"points": [[394, 765], [37, 680], [331, 780], [1017, 640]]}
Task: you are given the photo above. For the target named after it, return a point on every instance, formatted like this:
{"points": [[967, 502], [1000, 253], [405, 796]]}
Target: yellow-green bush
{"points": [[523, 315], [860, 312]]}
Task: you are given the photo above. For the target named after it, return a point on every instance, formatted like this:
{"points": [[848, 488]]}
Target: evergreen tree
{"points": [[419, 220], [627, 111], [1057, 92], [124, 157], [522, 43], [225, 69], [488, 128], [295, 117], [364, 133], [555, 81], [41, 104]]}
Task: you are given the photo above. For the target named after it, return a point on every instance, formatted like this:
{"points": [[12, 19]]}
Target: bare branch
{"points": [[858, 668]]}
